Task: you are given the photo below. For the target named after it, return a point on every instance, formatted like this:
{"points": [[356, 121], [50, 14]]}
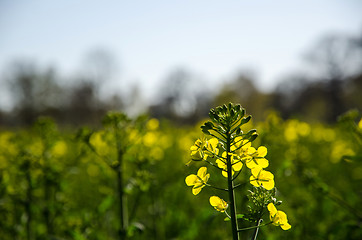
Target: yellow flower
{"points": [[257, 158], [152, 124], [211, 147], [261, 177], [196, 150], [279, 218], [198, 181], [235, 163], [218, 203], [240, 145], [203, 149]]}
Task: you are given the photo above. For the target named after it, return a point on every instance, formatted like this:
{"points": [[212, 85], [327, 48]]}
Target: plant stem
{"points": [[255, 235], [257, 226], [28, 201], [122, 200], [234, 223]]}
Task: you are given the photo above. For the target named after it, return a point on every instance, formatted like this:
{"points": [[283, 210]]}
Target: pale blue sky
{"points": [[151, 38]]}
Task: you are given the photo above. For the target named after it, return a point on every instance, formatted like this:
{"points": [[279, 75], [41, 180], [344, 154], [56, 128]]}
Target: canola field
{"points": [[145, 178]]}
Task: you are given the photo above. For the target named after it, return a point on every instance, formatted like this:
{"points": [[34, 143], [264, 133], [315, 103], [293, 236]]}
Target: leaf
{"points": [[105, 204], [238, 216], [245, 120]]}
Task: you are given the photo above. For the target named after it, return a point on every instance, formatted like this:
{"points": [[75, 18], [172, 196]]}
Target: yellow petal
{"points": [[198, 184], [254, 182], [286, 226], [202, 172], [266, 175], [191, 179], [251, 164], [218, 203], [262, 162], [220, 164], [272, 209], [206, 178], [196, 191], [256, 171], [251, 150], [213, 142], [268, 185], [262, 151], [238, 141], [247, 145], [214, 200], [194, 148], [282, 217], [237, 166]]}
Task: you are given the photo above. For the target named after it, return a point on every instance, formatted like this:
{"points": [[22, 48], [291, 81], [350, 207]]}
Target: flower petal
{"points": [[286, 226], [237, 166], [196, 190], [272, 209], [262, 151], [191, 179], [202, 172], [269, 185], [254, 181], [262, 162], [218, 203]]}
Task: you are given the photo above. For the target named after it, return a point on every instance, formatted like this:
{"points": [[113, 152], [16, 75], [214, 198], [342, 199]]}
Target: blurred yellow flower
{"points": [[279, 218], [152, 124], [198, 181], [218, 203], [59, 149], [149, 139]]}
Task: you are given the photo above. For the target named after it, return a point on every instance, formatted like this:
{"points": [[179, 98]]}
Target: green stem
{"points": [[257, 229], [28, 201], [257, 226], [122, 231], [223, 189], [234, 223], [122, 198]]}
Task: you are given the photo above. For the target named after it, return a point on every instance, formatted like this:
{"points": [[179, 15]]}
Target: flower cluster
{"points": [[241, 154], [230, 151]]}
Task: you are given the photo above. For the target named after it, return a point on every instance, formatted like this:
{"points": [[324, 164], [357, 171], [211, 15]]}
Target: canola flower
{"points": [[196, 151], [279, 218], [228, 149], [198, 181], [204, 149], [218, 203], [256, 158], [235, 163], [261, 177]]}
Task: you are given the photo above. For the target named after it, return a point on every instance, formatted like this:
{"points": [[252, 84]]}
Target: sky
{"points": [[150, 39]]}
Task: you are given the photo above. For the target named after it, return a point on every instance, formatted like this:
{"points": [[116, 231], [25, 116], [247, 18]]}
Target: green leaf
{"points": [[245, 120], [238, 216], [105, 204]]}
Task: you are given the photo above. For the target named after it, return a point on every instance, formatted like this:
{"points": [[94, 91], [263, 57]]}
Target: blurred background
{"points": [[75, 61], [296, 67]]}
